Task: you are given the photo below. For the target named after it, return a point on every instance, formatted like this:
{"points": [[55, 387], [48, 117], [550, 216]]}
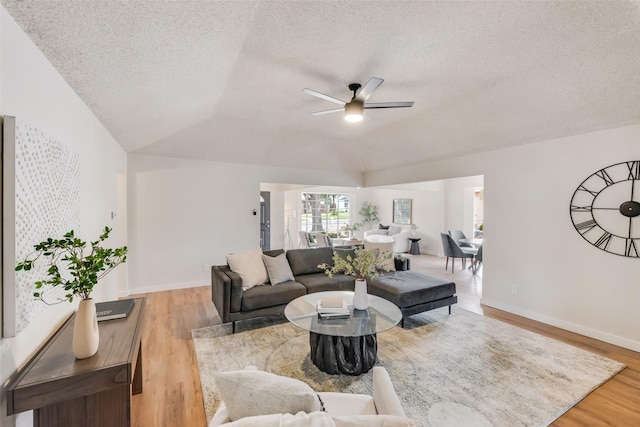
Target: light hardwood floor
{"points": [[172, 396]]}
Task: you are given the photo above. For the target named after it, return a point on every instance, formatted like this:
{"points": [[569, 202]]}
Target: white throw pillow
{"points": [[250, 393], [278, 268], [394, 229], [371, 421], [249, 266]]}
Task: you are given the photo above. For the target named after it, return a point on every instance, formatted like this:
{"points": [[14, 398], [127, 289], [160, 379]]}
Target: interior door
{"points": [[265, 220]]}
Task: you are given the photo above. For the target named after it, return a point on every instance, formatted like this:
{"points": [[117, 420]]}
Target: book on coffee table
{"points": [[332, 307], [113, 309], [327, 316]]}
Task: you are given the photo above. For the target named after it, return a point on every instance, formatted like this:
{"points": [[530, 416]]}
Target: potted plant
{"points": [[350, 228], [369, 213], [362, 265], [82, 271]]}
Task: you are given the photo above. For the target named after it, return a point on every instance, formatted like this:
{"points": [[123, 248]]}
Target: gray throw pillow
{"points": [[278, 268]]}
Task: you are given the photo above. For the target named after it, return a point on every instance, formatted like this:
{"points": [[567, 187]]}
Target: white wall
{"points": [[186, 214], [427, 213], [531, 242], [438, 205], [31, 89]]}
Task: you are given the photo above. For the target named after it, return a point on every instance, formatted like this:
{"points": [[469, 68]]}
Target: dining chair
{"points": [[453, 251], [457, 235], [305, 240], [477, 261], [322, 240]]}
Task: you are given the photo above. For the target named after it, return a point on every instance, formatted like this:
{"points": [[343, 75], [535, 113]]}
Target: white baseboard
{"points": [[166, 287], [563, 324]]}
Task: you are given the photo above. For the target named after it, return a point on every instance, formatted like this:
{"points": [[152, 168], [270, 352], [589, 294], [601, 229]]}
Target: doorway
{"points": [[265, 220]]}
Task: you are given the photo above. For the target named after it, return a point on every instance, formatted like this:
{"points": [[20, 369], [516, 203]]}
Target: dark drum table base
{"points": [[343, 355]]}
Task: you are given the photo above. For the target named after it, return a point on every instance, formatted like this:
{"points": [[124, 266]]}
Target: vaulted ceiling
{"points": [[223, 80]]}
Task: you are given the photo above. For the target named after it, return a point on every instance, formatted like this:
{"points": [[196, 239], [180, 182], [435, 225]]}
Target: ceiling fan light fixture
{"points": [[353, 111]]}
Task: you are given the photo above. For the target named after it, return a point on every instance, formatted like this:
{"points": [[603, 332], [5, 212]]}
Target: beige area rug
{"points": [[463, 369]]}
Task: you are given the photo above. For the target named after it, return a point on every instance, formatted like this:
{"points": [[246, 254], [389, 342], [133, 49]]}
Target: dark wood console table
{"points": [[92, 392]]}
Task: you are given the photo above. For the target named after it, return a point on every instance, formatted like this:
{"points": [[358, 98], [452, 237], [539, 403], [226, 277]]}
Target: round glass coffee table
{"points": [[344, 345]]}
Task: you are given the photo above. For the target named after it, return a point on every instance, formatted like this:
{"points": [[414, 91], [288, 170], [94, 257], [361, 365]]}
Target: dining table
{"points": [[475, 242]]}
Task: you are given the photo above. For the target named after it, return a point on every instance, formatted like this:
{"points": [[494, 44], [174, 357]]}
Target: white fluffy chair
{"points": [[400, 238]]}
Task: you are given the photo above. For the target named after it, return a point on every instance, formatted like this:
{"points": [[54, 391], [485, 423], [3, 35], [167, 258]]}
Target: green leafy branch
{"points": [[85, 270], [352, 227], [365, 264], [369, 212]]}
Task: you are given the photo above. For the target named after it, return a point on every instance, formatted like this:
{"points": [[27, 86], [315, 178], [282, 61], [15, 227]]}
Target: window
{"points": [[324, 212], [478, 213]]}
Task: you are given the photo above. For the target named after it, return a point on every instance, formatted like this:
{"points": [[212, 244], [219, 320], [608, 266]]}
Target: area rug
{"points": [[448, 370]]}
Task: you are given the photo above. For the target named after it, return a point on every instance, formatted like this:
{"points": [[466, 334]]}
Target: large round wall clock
{"points": [[605, 209]]}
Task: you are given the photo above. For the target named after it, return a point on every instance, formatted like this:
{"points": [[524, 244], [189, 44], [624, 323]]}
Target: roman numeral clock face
{"points": [[605, 209]]}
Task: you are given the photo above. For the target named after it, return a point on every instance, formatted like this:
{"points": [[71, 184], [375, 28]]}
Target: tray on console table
{"points": [[92, 392]]}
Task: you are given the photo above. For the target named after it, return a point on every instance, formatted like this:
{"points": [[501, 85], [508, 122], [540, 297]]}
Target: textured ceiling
{"points": [[223, 80]]}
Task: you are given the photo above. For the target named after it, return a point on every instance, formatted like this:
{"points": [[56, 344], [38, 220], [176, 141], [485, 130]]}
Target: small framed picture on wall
{"points": [[402, 211]]}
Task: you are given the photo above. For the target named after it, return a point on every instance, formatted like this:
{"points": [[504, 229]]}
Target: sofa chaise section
{"points": [[414, 292]]}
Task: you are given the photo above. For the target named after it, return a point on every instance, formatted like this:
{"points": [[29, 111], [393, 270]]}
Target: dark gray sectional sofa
{"points": [[412, 292]]}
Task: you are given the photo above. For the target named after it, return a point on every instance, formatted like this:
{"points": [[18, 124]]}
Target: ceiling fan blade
{"points": [[388, 105], [323, 96], [369, 88], [319, 113]]}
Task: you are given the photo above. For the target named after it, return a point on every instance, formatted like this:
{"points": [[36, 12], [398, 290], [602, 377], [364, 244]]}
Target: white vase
{"points": [[360, 297], [86, 335]]}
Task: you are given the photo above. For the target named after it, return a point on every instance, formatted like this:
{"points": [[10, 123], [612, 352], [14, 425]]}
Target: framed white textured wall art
{"points": [[402, 211], [41, 199]]}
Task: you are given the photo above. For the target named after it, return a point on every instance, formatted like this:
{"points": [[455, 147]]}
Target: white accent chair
{"points": [[397, 235], [305, 240], [322, 240], [384, 401]]}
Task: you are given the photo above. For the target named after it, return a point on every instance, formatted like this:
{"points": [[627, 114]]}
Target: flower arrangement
{"points": [[364, 264], [350, 228], [85, 270]]}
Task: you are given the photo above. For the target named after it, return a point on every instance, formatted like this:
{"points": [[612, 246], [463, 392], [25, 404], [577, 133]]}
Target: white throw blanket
{"points": [[301, 419], [321, 419]]}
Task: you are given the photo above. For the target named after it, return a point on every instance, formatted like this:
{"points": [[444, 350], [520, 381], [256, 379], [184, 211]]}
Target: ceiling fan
{"points": [[354, 109]]}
